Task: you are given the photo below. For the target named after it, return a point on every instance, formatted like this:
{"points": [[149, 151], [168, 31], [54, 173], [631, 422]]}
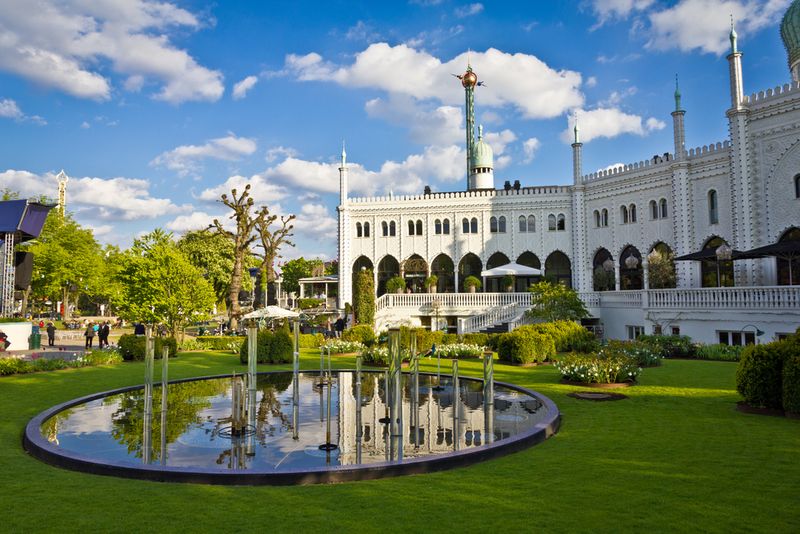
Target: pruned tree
{"points": [[271, 242], [244, 236]]}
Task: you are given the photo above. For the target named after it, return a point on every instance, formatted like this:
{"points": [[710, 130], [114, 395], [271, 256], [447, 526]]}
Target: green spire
{"points": [[577, 138], [733, 37], [677, 95]]}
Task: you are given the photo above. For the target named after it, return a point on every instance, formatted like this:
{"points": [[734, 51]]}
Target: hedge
{"points": [[671, 346], [311, 341], [525, 347], [791, 383], [307, 303], [759, 377], [12, 366], [566, 335], [362, 333], [133, 347], [219, 342], [271, 347]]}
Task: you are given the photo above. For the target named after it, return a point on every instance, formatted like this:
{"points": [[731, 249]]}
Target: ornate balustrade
{"points": [[448, 301], [501, 314], [725, 298]]}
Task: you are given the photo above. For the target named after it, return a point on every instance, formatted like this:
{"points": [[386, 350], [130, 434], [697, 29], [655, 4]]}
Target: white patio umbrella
{"points": [[513, 269], [271, 312]]}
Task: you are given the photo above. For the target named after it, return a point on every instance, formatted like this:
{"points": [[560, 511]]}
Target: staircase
{"points": [[494, 320]]}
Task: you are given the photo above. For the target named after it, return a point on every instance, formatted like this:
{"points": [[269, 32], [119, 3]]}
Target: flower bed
{"points": [[12, 366], [340, 346], [459, 350], [606, 367]]}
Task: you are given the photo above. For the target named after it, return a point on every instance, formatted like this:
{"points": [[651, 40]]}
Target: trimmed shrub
{"points": [[671, 346], [525, 347], [13, 366], [719, 352], [394, 283], [219, 342], [362, 333], [449, 339], [133, 347], [311, 341], [476, 338], [759, 377], [307, 303], [791, 384], [426, 339], [364, 298], [472, 281], [376, 355], [566, 335], [271, 347]]}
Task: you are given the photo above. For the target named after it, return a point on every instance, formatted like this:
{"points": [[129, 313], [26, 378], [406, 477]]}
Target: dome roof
{"points": [[482, 154], [790, 32]]}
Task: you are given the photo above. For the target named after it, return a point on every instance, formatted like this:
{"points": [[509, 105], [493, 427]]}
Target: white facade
{"points": [[742, 190]]}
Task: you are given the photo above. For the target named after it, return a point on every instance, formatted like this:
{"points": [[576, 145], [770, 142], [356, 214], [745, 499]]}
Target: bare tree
{"points": [[271, 242], [242, 238]]}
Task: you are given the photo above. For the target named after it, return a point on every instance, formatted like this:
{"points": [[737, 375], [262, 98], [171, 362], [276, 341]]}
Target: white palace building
{"points": [[601, 233]]}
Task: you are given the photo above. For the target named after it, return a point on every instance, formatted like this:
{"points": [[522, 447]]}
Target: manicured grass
{"points": [[675, 456]]}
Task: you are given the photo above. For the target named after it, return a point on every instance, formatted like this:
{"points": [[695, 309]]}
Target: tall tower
{"points": [[582, 277], [481, 165], [62, 191], [469, 80], [577, 155], [678, 131], [790, 34], [345, 282], [682, 213]]}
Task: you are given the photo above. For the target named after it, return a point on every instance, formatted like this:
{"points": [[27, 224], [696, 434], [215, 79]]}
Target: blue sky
{"points": [[156, 108]]}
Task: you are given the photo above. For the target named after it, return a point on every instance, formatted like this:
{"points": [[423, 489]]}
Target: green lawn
{"points": [[676, 456]]}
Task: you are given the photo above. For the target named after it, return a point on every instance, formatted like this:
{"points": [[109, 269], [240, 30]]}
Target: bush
{"points": [[364, 298], [449, 339], [791, 384], [477, 338], [13, 366], [566, 335], [606, 367], [339, 346], [107, 356], [362, 333], [307, 303], [431, 281], [460, 350], [671, 346], [271, 347], [376, 355], [219, 342], [720, 352], [472, 281], [311, 341], [426, 339], [644, 354], [394, 283], [133, 347], [759, 377], [190, 344], [525, 347]]}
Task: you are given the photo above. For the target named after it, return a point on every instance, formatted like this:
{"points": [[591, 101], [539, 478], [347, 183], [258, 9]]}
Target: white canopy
{"points": [[513, 269], [271, 312]]}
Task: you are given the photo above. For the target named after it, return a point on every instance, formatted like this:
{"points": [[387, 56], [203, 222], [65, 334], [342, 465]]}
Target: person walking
{"points": [[339, 326], [51, 334], [105, 329], [89, 333]]}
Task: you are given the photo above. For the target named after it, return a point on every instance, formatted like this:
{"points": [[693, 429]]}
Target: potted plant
{"points": [[508, 282], [396, 284], [431, 282], [472, 284]]}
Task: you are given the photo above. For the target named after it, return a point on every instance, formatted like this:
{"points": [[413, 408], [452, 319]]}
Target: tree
{"points": [[160, 285], [294, 270], [661, 269], [242, 238], [556, 302], [364, 298], [212, 253], [271, 242]]}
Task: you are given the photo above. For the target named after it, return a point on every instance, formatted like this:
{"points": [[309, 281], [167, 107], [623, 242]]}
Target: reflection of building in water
{"points": [[513, 413]]}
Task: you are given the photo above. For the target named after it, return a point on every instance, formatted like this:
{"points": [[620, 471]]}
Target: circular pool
{"points": [[300, 429]]}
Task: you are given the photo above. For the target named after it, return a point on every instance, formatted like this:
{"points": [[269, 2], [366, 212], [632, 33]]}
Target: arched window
{"points": [[531, 223], [596, 219], [493, 225], [653, 209], [410, 227], [419, 227], [384, 229], [446, 227], [501, 225], [464, 226], [523, 224], [392, 229], [632, 212], [473, 225], [713, 212], [562, 222], [437, 227], [604, 217], [366, 229], [358, 229], [551, 222], [623, 214], [663, 204], [797, 186]]}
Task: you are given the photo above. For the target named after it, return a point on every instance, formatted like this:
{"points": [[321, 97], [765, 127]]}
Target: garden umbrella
{"points": [[511, 269], [785, 250], [707, 254], [271, 312]]}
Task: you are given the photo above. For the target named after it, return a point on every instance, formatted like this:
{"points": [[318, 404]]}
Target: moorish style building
{"points": [[612, 235]]}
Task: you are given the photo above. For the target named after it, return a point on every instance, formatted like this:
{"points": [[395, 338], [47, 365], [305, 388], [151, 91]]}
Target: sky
{"points": [[155, 109]]}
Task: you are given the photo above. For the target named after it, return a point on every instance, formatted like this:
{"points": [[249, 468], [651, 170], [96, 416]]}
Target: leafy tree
{"points": [[332, 268], [661, 269], [294, 270], [160, 285], [603, 280], [8, 194], [212, 253], [364, 298], [271, 242], [556, 302]]}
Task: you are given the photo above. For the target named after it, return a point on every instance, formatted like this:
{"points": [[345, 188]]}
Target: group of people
{"points": [[101, 330]]}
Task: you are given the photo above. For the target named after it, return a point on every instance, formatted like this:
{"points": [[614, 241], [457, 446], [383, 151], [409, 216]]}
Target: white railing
{"points": [[452, 300], [621, 299], [501, 314], [751, 298]]}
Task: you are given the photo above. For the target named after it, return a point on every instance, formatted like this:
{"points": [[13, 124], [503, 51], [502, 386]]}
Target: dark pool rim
{"points": [[38, 447]]}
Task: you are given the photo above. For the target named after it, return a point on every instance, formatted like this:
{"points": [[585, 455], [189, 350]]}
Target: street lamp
{"points": [[631, 261], [759, 332], [723, 253]]}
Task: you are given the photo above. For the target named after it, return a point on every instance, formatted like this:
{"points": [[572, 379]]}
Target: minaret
{"points": [[481, 174], [469, 80], [62, 191], [735, 68], [577, 156], [345, 282], [678, 131], [343, 177]]}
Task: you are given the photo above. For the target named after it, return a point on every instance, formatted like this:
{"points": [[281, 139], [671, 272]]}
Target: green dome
{"points": [[482, 155], [790, 32]]}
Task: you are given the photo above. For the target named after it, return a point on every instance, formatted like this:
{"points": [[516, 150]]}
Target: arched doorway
{"points": [[415, 271], [388, 268], [361, 263], [495, 284], [661, 267], [558, 268], [442, 266], [470, 265], [603, 277], [631, 272], [789, 265], [528, 259], [715, 273]]}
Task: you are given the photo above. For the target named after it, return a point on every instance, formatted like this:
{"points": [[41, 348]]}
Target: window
{"points": [[501, 225], [797, 186], [676, 330], [392, 229], [473, 225], [446, 227], [419, 227], [596, 219], [663, 204], [736, 337], [604, 218], [531, 223], [562, 222], [523, 224], [384, 229], [632, 213], [410, 227], [653, 210], [493, 225], [366, 229], [551, 222], [634, 331], [464, 226], [437, 227], [358, 230], [623, 214], [713, 214]]}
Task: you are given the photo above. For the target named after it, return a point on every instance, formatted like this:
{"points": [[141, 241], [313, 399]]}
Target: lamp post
{"points": [[758, 332], [723, 253]]}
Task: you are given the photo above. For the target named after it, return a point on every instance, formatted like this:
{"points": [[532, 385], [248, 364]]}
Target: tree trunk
{"points": [[24, 307], [233, 293], [65, 303]]}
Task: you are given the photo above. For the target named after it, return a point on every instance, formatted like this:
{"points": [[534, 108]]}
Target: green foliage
{"points": [[556, 302], [426, 339], [603, 280], [477, 338], [431, 281], [759, 377], [13, 366], [361, 333], [271, 347], [719, 352], [644, 354], [294, 270], [791, 383], [133, 347], [219, 342], [472, 281], [12, 320], [671, 346], [607, 367], [525, 346], [395, 283], [307, 303], [340, 346], [375, 355], [311, 341], [460, 350], [508, 281], [212, 254], [364, 298], [449, 339], [566, 335], [662, 269]]}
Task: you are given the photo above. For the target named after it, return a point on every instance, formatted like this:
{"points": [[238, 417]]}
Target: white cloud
{"points": [[427, 125], [591, 81], [519, 80], [610, 9], [66, 45], [241, 88], [10, 110], [499, 141], [705, 24], [468, 10], [185, 159], [530, 147], [262, 189], [361, 32], [101, 231], [608, 122], [280, 152], [85, 125], [95, 198], [616, 97], [316, 221], [197, 220]]}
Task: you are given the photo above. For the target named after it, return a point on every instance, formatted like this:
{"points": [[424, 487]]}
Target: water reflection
{"points": [[290, 421]]}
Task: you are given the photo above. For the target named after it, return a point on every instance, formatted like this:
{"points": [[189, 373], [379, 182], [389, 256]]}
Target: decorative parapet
{"points": [[780, 91], [480, 193], [630, 168], [705, 150]]}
